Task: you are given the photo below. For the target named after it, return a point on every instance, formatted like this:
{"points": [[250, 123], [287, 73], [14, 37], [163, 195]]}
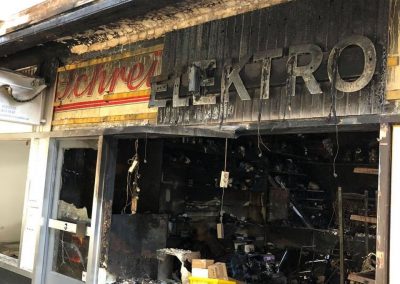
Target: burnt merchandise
{"points": [[276, 221]]}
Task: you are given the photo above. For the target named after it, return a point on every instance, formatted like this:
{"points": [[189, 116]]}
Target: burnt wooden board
{"points": [[320, 22]]}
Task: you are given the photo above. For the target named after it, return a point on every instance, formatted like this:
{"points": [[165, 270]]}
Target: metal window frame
{"points": [[383, 208], [52, 187]]}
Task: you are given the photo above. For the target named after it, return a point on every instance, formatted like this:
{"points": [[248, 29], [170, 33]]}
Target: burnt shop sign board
{"points": [[109, 90], [199, 85]]}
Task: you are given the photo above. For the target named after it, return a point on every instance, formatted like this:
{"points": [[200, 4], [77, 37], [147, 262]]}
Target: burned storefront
{"points": [[256, 146], [264, 164]]}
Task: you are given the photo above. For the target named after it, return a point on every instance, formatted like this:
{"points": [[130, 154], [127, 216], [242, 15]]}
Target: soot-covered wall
{"points": [[320, 22]]}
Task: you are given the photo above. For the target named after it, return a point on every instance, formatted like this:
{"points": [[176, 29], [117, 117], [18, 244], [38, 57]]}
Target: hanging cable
{"points": [[145, 150], [7, 89], [332, 111], [132, 188], [222, 106], [226, 153], [223, 188], [337, 151], [260, 141]]}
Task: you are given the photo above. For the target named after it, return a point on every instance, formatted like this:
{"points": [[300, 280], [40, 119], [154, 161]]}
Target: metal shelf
{"points": [[361, 218]]}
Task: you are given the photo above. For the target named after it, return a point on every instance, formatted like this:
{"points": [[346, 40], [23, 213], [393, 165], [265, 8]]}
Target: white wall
{"points": [[10, 127], [13, 172]]}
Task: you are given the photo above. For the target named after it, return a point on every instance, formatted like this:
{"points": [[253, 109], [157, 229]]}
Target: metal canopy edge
{"points": [[318, 125], [32, 34]]}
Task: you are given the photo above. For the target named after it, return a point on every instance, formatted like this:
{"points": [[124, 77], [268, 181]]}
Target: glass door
{"points": [[71, 212]]}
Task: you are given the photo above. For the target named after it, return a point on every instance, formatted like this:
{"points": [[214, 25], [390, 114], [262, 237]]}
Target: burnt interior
{"points": [[281, 199]]}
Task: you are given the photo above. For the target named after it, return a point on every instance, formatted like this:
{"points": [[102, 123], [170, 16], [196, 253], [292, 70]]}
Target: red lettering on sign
{"points": [[151, 72], [127, 75], [68, 88], [81, 78], [92, 84], [110, 84], [146, 79], [135, 73]]}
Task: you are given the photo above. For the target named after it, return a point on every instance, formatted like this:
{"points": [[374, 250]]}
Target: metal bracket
{"points": [[157, 87], [176, 100], [199, 79], [205, 100]]}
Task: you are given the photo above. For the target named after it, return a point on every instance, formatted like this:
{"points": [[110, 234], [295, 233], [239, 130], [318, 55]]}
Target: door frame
{"points": [[383, 202], [53, 187], [393, 248]]}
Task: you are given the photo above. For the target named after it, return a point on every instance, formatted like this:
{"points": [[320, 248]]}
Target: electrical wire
{"points": [[332, 111], [130, 190], [223, 188], [222, 106], [9, 90], [226, 153], [333, 215], [127, 203], [259, 138], [337, 150], [145, 150]]}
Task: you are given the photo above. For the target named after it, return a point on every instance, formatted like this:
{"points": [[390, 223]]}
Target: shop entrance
{"points": [[295, 205], [71, 210]]}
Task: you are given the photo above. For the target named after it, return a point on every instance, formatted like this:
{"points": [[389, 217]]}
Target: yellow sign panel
{"points": [[111, 90]]}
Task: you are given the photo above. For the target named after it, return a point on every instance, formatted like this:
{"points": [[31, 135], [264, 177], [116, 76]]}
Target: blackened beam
{"points": [[146, 131], [313, 125], [96, 14]]}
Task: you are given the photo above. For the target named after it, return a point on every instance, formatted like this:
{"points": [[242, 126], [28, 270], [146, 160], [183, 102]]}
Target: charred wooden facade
{"points": [[279, 29]]}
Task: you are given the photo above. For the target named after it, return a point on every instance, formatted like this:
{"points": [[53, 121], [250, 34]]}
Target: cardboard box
{"points": [[218, 271], [202, 263], [200, 272]]}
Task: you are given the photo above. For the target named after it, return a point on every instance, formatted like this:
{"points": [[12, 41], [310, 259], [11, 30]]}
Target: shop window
{"points": [[14, 157], [70, 255], [279, 214]]}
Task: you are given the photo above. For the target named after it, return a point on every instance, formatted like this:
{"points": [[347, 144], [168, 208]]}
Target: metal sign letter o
{"points": [[369, 51]]}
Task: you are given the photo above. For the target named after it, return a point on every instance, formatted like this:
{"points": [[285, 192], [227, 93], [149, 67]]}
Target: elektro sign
{"points": [[201, 74]]}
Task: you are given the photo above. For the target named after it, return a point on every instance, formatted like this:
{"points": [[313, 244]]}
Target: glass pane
{"points": [[71, 256], [74, 205]]}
